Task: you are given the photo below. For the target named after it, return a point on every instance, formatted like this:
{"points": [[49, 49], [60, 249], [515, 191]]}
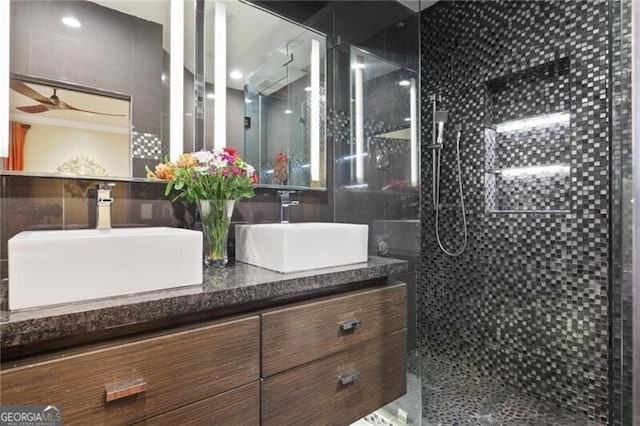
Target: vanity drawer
{"points": [[240, 407], [313, 394], [296, 335], [155, 374]]}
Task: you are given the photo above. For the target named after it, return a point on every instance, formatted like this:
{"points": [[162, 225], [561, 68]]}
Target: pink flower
{"points": [[229, 150]]}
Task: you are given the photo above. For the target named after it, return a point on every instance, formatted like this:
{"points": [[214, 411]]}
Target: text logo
{"points": [[30, 415]]}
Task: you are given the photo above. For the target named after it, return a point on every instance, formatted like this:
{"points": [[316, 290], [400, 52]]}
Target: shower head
{"points": [[441, 117]]}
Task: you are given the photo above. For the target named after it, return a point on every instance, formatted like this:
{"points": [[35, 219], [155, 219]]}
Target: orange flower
{"points": [[187, 160], [165, 171]]}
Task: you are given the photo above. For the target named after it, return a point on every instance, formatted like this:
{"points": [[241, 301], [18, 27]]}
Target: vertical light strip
{"points": [[413, 108], [359, 121], [220, 76], [176, 88], [315, 111], [4, 77]]}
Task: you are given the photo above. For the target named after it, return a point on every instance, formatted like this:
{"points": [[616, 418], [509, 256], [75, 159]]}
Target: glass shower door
{"points": [[622, 217]]}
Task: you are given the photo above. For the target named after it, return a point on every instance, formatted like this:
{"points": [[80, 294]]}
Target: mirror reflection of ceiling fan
{"points": [[47, 104]]}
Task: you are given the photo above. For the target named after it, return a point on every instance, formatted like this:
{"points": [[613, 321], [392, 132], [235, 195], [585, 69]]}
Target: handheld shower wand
{"points": [[439, 120]]}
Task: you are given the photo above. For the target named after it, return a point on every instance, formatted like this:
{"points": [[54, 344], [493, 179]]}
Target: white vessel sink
{"points": [[293, 247], [52, 267]]}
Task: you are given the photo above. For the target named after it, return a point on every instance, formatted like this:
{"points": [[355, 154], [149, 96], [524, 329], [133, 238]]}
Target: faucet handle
{"points": [[105, 186], [104, 192], [284, 195]]}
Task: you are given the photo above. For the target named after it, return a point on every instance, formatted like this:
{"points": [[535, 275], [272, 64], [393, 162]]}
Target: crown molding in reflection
{"points": [[398, 134], [418, 5], [48, 121]]}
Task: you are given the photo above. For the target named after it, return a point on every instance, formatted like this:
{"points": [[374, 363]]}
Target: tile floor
{"points": [[453, 395]]}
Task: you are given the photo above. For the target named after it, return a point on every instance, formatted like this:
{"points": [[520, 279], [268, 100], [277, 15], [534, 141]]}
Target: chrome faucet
{"points": [[104, 205], [285, 203]]}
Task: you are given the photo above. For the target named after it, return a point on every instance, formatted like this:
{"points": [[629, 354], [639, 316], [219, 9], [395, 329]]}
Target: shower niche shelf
{"points": [[527, 140]]}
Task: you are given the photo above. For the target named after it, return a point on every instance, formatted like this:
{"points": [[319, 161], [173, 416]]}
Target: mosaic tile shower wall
{"points": [[527, 302]]}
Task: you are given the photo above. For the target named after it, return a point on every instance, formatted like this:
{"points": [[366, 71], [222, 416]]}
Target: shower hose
{"points": [[464, 217]]}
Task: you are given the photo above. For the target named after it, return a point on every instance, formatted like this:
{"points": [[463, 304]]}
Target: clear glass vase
{"points": [[215, 216]]}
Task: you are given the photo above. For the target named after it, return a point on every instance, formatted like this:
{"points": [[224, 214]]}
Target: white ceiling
{"points": [[157, 11], [67, 118], [246, 49]]}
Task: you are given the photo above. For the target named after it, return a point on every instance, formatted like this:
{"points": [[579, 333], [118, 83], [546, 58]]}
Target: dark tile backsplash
{"points": [[528, 300]]}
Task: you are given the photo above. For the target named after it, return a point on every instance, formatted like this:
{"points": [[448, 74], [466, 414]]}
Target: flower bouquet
{"points": [[215, 180]]}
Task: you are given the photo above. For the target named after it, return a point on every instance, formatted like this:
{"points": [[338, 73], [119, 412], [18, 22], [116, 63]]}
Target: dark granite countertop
{"points": [[235, 285]]}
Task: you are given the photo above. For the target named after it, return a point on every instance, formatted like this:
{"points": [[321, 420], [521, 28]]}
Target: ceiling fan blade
{"points": [[33, 109], [27, 91], [63, 105]]}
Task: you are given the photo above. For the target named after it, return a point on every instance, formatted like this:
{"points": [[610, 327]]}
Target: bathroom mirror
{"points": [[384, 135], [124, 48], [98, 55], [272, 108]]}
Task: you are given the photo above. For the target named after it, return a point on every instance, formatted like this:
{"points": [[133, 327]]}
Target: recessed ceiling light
{"points": [[163, 77], [357, 66], [308, 89], [211, 95], [235, 74], [404, 83], [407, 119], [72, 22], [248, 101], [288, 111]]}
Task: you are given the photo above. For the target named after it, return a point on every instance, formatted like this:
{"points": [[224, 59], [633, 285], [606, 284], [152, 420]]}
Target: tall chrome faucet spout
{"points": [[285, 203], [104, 205]]}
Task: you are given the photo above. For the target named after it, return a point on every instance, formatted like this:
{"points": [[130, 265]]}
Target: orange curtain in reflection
{"points": [[17, 137]]}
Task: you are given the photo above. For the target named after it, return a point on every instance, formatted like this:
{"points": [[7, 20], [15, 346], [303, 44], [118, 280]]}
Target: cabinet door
{"points": [[239, 407], [339, 389], [302, 333], [129, 382]]}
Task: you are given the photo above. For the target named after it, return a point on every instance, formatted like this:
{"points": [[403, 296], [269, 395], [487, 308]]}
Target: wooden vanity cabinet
{"points": [[335, 360], [128, 382], [325, 361]]}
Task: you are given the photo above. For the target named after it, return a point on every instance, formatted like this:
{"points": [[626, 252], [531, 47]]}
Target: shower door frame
{"points": [[635, 108]]}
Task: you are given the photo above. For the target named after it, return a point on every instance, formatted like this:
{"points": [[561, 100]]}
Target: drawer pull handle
{"points": [[350, 325], [347, 379], [125, 389]]}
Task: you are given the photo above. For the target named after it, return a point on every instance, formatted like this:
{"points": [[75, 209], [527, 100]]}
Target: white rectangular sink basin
{"points": [[53, 267], [293, 247]]}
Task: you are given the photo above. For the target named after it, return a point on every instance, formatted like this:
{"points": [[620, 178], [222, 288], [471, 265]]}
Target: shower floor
{"points": [[453, 395]]}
